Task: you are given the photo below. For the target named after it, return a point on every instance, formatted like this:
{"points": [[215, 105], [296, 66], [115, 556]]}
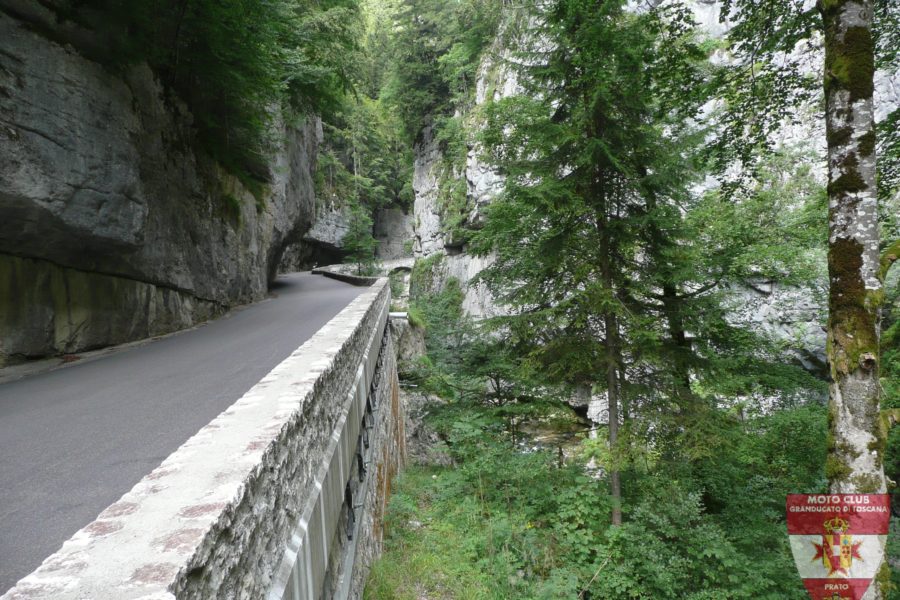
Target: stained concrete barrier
{"points": [[281, 496]]}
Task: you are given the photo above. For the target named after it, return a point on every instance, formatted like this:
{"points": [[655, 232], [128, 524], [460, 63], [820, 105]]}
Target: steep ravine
{"points": [[114, 228]]}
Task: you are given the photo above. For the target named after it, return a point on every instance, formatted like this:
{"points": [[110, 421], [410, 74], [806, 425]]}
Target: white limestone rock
{"points": [[330, 227]]}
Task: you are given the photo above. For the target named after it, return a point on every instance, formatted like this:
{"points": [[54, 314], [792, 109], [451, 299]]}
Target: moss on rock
{"points": [[867, 144]]}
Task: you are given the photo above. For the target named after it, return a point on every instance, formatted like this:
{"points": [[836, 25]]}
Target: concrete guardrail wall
{"points": [[280, 497]]}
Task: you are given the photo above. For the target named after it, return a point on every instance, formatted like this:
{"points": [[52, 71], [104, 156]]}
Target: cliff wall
{"points": [[112, 226]]}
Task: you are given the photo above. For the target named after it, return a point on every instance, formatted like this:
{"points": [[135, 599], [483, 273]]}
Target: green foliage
{"points": [[761, 89], [453, 136], [359, 245], [424, 277], [566, 226], [774, 229], [415, 317], [598, 219], [893, 552], [504, 523], [436, 49], [604, 257], [446, 326], [397, 284], [364, 159], [890, 379], [766, 83]]}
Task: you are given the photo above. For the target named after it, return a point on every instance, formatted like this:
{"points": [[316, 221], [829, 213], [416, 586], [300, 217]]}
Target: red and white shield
{"points": [[838, 541]]}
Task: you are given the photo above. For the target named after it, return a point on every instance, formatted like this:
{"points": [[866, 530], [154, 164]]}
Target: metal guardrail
{"points": [[302, 574], [359, 487]]}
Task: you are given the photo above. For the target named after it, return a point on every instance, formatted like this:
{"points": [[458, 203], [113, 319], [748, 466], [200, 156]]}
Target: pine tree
{"points": [[579, 151], [359, 245]]}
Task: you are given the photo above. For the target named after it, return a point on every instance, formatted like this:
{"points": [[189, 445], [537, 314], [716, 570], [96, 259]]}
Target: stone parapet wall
{"points": [[217, 517]]}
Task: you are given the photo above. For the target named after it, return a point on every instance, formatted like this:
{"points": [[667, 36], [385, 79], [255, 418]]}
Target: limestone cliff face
{"points": [[111, 227], [394, 232], [495, 80]]}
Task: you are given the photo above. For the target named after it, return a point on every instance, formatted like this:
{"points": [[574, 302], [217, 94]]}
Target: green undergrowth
{"points": [[515, 516], [434, 557], [890, 378], [505, 523]]}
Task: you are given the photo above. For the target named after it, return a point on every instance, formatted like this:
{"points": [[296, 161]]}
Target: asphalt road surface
{"points": [[73, 440]]}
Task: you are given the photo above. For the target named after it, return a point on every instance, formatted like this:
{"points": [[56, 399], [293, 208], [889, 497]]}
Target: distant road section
{"points": [[73, 440]]}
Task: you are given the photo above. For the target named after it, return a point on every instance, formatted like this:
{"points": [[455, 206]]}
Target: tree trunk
{"points": [[857, 442], [612, 353], [854, 461], [612, 394], [672, 304]]}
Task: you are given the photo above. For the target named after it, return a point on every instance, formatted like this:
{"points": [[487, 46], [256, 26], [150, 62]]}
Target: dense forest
{"points": [[648, 181]]}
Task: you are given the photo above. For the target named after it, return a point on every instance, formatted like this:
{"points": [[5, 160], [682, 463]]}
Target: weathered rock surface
{"points": [[423, 445], [322, 244], [428, 230], [793, 316], [496, 80], [409, 342], [331, 225], [45, 306], [394, 231], [98, 182]]}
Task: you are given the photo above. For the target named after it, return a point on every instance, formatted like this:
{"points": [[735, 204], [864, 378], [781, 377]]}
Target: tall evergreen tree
{"points": [[581, 152]]}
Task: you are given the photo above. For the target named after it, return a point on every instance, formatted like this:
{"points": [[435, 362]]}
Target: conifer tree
{"points": [[580, 151]]}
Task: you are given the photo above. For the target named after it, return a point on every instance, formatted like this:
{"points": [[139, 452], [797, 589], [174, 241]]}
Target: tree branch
{"points": [[692, 294]]}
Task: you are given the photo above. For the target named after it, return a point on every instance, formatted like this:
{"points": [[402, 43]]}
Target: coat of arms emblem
{"points": [[838, 541]]}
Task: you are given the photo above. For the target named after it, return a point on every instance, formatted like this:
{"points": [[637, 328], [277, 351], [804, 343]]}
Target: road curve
{"points": [[73, 440]]}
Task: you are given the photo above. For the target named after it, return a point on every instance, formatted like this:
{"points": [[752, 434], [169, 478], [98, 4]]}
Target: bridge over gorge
{"points": [[280, 496]]}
